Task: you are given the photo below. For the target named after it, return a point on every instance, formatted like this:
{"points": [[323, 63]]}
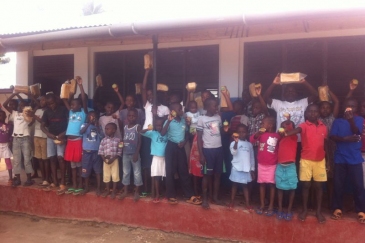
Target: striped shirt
{"points": [[110, 146]]}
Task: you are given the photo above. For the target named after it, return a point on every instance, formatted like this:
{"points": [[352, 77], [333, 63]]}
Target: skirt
{"points": [[240, 176], [5, 151], [158, 166], [195, 166]]}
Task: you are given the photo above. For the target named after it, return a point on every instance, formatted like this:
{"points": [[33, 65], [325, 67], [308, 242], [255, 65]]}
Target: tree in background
{"points": [[91, 8], [3, 59]]}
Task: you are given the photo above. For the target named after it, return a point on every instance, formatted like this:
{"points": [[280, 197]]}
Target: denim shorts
{"points": [[54, 149], [128, 165]]}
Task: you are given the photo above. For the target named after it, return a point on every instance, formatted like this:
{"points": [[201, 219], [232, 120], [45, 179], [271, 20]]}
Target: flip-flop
{"points": [[269, 213], [62, 190], [194, 200], [77, 192], [288, 216], [70, 190], [172, 201], [28, 183], [259, 211], [144, 194], [361, 218], [156, 200], [280, 215], [336, 215]]}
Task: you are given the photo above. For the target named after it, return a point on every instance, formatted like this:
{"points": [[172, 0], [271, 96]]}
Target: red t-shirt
{"points": [[287, 149], [268, 148], [313, 140]]}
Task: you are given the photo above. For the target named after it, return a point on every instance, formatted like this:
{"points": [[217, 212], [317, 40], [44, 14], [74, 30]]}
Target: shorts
{"points": [[73, 151], [158, 166], [54, 149], [286, 176], [312, 169], [111, 170], [213, 161], [266, 173], [240, 176], [40, 148], [146, 157], [90, 161]]}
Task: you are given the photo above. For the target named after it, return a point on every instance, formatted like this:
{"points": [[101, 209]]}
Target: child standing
{"points": [[91, 138], [5, 139], [111, 147], [312, 163], [348, 159], [286, 172], [158, 145], [210, 149], [175, 128], [131, 158], [243, 164], [130, 102], [267, 157], [73, 151]]}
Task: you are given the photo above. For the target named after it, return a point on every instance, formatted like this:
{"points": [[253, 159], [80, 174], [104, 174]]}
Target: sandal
{"points": [[16, 183], [172, 201], [259, 211], [105, 194], [280, 215], [62, 190], [194, 200], [156, 200], [288, 216], [77, 192], [336, 215], [10, 182], [70, 190], [361, 217], [269, 213], [49, 188], [44, 183], [28, 183], [144, 194]]}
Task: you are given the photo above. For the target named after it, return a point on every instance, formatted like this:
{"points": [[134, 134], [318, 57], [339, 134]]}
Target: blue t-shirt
{"points": [[75, 120], [158, 142], [176, 131], [91, 138], [347, 153]]}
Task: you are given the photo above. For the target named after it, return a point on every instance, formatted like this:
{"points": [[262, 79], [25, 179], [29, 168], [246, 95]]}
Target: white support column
{"points": [[24, 68], [229, 66], [81, 65]]}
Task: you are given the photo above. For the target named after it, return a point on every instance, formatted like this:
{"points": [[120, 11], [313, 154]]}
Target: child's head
{"points": [[205, 95], [287, 125], [130, 101], [290, 93], [211, 106], [193, 106], [362, 108], [177, 108], [175, 97], [238, 107], [110, 129], [75, 105], [256, 107], [91, 116], [351, 103], [132, 116], [109, 108], [42, 101], [21, 105], [13, 105], [51, 101], [242, 131], [312, 113], [269, 123], [325, 109], [159, 124], [2, 116]]}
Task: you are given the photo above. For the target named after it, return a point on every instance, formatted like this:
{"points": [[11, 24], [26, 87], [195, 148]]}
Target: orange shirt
{"points": [[313, 140]]}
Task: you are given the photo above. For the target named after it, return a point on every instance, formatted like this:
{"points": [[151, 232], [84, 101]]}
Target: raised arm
{"points": [[6, 103], [267, 95], [336, 104], [83, 96], [144, 86], [313, 92], [65, 101], [352, 89], [294, 131], [228, 101], [120, 97], [262, 102], [166, 126]]}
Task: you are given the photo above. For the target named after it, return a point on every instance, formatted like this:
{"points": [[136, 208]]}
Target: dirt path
{"points": [[16, 228]]}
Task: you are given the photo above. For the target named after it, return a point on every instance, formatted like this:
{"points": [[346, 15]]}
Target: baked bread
{"points": [[35, 90], [323, 93], [191, 87], [21, 89], [252, 88], [162, 87], [148, 60], [291, 77]]}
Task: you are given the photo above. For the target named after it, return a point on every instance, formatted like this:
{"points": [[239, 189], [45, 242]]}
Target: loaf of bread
{"points": [[148, 60], [73, 85], [223, 100], [65, 90], [35, 90], [291, 77], [191, 87], [323, 93], [21, 89], [252, 88], [26, 109], [138, 88], [162, 87]]}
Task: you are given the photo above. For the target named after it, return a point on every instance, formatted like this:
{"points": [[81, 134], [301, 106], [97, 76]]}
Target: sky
{"points": [[23, 15]]}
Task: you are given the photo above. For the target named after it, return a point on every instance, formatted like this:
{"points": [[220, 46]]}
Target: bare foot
{"points": [[321, 219], [205, 204], [112, 196], [303, 215], [97, 192], [136, 196], [123, 195]]}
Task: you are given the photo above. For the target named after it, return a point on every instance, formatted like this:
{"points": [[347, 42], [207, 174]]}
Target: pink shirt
{"points": [[268, 148]]}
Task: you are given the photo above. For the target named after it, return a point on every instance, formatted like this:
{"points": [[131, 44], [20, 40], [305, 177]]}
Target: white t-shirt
{"points": [[194, 118], [37, 126], [104, 120], [21, 128], [243, 156], [210, 126], [295, 109], [161, 112]]}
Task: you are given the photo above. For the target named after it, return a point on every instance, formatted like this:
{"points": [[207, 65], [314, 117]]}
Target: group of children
{"points": [[169, 142]]}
